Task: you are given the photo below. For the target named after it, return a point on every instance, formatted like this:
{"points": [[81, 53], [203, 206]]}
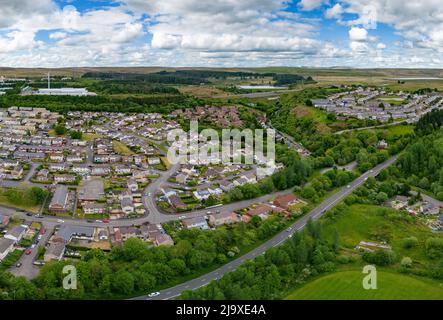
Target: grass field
{"points": [[373, 223], [347, 285], [121, 148]]}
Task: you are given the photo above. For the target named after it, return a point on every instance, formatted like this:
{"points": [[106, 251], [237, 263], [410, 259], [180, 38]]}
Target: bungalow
{"points": [[263, 210], [285, 201], [382, 144], [92, 190], [226, 185], [6, 246], [219, 219], [197, 222]]}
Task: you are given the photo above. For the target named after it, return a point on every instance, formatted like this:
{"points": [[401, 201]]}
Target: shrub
{"points": [[406, 262], [409, 242], [380, 257]]}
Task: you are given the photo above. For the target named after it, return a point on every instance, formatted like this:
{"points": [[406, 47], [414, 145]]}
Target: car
{"points": [[28, 252], [39, 237], [60, 221], [348, 186], [371, 171], [29, 214], [42, 231], [98, 221], [182, 217], [89, 221], [105, 220], [289, 229], [209, 212], [18, 265], [366, 178], [33, 246], [40, 216], [153, 294]]}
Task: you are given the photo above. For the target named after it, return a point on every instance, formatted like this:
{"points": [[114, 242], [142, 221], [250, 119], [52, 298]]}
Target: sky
{"points": [[222, 33]]}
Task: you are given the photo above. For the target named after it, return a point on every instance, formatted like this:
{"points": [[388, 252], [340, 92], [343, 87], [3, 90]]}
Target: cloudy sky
{"points": [[224, 33]]}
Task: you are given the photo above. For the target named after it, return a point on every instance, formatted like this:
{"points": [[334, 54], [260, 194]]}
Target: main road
{"points": [[275, 241]]}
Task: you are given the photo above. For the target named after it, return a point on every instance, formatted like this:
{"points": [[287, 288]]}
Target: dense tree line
{"points": [[269, 276], [136, 268], [430, 122], [163, 103]]}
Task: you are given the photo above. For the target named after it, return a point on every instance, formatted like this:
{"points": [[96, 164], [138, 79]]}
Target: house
{"points": [[122, 170], [56, 157], [94, 208], [74, 158], [4, 220], [285, 201], [399, 202], [163, 239], [64, 178], [59, 201], [153, 161], [81, 169], [42, 175], [201, 194], [128, 232], [263, 210], [127, 204], [181, 178], [226, 185], [57, 167], [382, 144], [17, 172], [100, 171], [102, 235], [176, 202], [197, 222], [55, 251], [6, 246], [17, 233], [132, 185], [429, 208], [440, 219], [221, 218]]}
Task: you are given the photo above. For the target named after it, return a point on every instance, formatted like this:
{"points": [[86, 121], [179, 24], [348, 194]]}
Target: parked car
{"points": [[28, 252], [39, 237], [33, 246], [29, 214], [42, 231], [60, 221], [105, 220], [18, 265]]}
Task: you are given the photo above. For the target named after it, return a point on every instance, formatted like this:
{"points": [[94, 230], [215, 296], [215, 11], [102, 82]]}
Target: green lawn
{"points": [[347, 285]]}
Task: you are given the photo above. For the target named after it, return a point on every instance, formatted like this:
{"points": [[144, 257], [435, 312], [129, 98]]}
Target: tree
{"points": [[122, 282], [76, 134], [60, 129]]}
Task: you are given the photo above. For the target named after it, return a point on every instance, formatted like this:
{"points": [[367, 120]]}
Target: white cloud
{"points": [[310, 4], [58, 35], [358, 34], [381, 46], [334, 12]]}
